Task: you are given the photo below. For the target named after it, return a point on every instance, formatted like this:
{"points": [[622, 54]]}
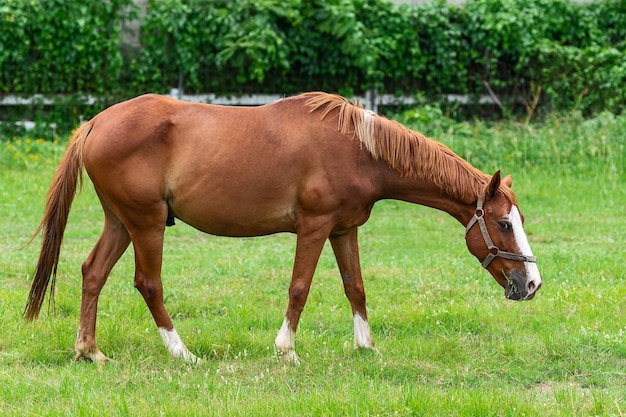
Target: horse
{"points": [[312, 164]]}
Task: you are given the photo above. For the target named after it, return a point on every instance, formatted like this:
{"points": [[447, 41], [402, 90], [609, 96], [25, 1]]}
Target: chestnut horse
{"points": [[313, 165]]}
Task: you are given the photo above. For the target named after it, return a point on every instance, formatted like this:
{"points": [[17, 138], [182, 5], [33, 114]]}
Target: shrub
{"points": [[575, 52]]}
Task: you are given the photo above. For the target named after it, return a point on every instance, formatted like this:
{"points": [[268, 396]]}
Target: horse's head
{"points": [[495, 235]]}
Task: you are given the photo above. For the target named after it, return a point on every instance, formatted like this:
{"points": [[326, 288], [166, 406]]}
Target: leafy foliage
{"points": [[574, 51], [60, 46], [177, 44]]}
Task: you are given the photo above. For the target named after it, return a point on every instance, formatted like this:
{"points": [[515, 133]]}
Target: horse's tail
{"points": [[58, 203]]}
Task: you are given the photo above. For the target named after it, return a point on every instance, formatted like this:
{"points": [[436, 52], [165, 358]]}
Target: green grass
{"points": [[450, 343]]}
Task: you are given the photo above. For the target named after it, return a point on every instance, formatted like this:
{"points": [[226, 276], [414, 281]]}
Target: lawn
{"points": [[450, 343]]}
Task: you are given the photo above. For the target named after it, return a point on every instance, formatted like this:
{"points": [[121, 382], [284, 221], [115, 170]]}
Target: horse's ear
{"points": [[492, 188], [508, 181]]}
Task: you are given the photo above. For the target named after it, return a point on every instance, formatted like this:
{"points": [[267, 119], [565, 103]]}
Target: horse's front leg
{"points": [[346, 249], [111, 245], [312, 235]]}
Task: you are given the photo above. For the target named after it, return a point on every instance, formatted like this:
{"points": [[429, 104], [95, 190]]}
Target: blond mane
{"points": [[408, 152]]}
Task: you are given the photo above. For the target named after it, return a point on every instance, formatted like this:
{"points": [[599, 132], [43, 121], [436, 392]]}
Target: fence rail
{"points": [[370, 100]]}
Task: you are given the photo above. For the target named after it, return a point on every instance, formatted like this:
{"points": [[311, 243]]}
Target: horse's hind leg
{"points": [[346, 249], [147, 237], [112, 243]]}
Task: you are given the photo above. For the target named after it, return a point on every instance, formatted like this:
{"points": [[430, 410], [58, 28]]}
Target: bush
{"points": [[590, 79], [574, 51], [60, 46]]}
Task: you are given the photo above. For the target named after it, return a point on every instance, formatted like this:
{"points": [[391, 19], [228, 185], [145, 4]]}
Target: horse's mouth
{"points": [[511, 291], [514, 290]]}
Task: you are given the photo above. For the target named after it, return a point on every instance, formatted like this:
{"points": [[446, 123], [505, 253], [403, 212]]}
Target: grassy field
{"points": [[450, 343]]}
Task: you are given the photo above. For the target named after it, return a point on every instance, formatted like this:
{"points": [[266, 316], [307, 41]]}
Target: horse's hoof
{"points": [[371, 349], [288, 357], [190, 357], [97, 357]]}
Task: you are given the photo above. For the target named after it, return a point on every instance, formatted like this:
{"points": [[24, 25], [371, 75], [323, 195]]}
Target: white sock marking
{"points": [[175, 346], [362, 334], [286, 343]]}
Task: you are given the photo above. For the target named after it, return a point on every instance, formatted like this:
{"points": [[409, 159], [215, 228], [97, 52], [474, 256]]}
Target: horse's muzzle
{"points": [[516, 287]]}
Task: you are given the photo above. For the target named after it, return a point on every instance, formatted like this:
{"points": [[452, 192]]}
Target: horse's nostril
{"points": [[533, 287]]}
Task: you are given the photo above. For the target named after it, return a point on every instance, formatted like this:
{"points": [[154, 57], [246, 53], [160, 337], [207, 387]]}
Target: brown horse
{"points": [[313, 165]]}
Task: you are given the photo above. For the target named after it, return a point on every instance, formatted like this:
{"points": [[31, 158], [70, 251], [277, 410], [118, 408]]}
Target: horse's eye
{"points": [[505, 226]]}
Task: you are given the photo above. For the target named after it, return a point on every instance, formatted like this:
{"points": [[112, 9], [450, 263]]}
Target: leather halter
{"points": [[494, 252]]}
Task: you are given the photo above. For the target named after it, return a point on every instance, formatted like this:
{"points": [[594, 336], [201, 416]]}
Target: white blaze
{"points": [[522, 242]]}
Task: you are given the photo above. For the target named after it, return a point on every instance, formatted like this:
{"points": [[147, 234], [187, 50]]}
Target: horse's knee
{"points": [[355, 293], [147, 287], [298, 295]]}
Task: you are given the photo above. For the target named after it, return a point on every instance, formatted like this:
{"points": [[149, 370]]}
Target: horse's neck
{"points": [[427, 194]]}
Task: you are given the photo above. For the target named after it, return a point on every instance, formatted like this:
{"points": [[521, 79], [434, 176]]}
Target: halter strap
{"points": [[494, 252]]}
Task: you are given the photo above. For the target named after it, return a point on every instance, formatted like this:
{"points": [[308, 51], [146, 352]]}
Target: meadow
{"points": [[450, 343]]}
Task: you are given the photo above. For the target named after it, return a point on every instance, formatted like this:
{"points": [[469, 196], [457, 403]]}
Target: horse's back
{"points": [[182, 128]]}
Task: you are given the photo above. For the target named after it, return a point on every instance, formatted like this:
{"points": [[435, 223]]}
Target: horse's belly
{"points": [[240, 226], [236, 213]]}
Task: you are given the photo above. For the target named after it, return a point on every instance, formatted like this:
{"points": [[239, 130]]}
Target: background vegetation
{"points": [[567, 54]]}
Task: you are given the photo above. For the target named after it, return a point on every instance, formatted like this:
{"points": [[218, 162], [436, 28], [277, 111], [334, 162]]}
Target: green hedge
{"points": [[60, 46], [574, 51]]}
